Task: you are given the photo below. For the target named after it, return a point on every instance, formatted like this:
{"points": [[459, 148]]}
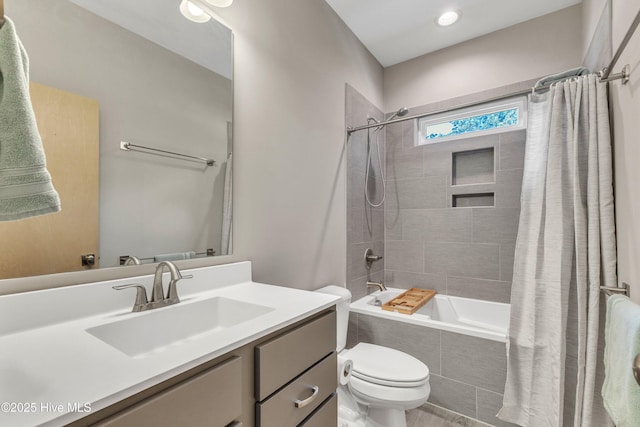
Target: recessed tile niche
{"points": [[472, 200], [471, 168]]}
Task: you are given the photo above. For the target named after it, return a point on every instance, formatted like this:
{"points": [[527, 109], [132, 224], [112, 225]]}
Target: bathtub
{"points": [[477, 318]]}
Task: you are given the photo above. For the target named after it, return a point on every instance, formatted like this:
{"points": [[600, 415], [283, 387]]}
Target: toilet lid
{"points": [[386, 366]]}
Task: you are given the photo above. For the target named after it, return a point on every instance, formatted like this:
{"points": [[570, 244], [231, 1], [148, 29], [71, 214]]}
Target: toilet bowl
{"points": [[384, 382]]}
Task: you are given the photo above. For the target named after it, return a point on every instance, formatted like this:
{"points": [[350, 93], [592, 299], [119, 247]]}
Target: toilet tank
{"points": [[342, 312]]}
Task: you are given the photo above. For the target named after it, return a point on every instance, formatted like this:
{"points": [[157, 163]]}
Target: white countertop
{"points": [[50, 364]]}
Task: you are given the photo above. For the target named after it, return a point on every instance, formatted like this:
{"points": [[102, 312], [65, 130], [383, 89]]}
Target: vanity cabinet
{"points": [[296, 373], [257, 384], [212, 398]]}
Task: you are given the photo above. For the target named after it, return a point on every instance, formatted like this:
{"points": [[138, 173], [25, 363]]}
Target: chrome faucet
{"points": [[378, 285], [157, 295]]}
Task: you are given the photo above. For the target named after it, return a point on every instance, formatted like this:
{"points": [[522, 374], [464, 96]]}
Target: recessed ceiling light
{"points": [[448, 18], [192, 12]]}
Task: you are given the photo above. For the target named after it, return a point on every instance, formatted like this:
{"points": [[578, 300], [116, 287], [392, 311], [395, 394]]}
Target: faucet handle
{"points": [[172, 292], [141, 295]]}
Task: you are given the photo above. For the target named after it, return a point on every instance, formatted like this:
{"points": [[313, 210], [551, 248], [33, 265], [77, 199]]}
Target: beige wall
{"points": [[625, 105], [591, 12], [292, 60], [535, 48]]}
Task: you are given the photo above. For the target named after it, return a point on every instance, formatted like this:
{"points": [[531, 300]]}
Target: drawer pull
{"points": [[305, 402]]}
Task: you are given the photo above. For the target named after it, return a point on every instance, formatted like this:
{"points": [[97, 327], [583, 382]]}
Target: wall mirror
{"points": [[113, 71]]}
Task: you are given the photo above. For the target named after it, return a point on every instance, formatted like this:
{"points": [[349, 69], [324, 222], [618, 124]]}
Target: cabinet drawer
{"points": [[280, 409], [283, 358], [212, 398], [325, 416]]}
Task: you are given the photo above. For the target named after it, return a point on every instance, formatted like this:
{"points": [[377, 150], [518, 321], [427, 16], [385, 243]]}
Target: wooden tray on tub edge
{"points": [[409, 301]]}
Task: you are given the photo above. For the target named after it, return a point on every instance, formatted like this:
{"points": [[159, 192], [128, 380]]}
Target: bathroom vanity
{"points": [[232, 352]]}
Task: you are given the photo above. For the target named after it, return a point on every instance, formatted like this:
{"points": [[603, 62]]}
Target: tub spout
{"points": [[378, 285]]}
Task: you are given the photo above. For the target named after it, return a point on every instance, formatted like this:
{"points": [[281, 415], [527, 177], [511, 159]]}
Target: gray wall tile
{"points": [[462, 260], [446, 225], [393, 224], [417, 193], [356, 254], [413, 224], [357, 287], [355, 225], [506, 261], [352, 331], [393, 134], [424, 343], [488, 290], [489, 403], [404, 255], [508, 188], [405, 163], [466, 144], [436, 161], [512, 146], [356, 190], [497, 225], [373, 224], [453, 395], [409, 130], [357, 152], [475, 361], [406, 280]]}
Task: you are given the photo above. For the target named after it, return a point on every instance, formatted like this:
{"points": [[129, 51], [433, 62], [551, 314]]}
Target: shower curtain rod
{"points": [[351, 130]]}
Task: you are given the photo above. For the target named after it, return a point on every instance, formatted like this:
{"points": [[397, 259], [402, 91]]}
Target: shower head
{"points": [[401, 112]]}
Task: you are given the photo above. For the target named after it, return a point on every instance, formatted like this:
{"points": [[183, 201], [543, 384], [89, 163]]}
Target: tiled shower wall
{"points": [[462, 251], [365, 224]]}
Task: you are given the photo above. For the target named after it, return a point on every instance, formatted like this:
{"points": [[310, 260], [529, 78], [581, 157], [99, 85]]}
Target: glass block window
{"points": [[483, 119]]}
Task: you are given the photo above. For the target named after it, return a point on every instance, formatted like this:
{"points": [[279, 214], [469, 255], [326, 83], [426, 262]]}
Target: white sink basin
{"points": [[156, 330]]}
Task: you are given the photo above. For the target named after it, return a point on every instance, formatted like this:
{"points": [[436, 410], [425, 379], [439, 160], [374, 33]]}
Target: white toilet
{"points": [[384, 382]]}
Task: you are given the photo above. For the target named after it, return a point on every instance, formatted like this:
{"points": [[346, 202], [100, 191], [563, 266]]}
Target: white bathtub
{"points": [[477, 318]]}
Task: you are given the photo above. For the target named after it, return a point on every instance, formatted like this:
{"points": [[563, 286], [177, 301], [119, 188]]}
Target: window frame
{"points": [[519, 103]]}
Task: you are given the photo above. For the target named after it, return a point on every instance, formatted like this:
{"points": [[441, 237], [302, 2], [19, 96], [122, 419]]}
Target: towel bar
{"points": [[611, 290], [123, 258], [127, 146]]}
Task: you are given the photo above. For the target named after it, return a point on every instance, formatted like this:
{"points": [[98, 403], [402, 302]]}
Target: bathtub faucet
{"points": [[378, 285]]}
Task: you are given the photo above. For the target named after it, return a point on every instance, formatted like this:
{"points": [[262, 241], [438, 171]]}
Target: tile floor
{"points": [[433, 416]]}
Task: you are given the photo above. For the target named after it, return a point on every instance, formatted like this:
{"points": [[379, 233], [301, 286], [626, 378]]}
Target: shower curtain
{"points": [[565, 247]]}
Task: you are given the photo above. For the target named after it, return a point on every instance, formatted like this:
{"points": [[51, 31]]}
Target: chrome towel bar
{"points": [[611, 290], [123, 258], [127, 146]]}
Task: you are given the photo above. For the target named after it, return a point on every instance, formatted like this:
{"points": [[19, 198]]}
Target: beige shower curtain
{"points": [[565, 250]]}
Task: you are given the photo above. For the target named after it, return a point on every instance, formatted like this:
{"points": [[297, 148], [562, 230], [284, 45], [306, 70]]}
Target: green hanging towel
{"points": [[26, 189]]}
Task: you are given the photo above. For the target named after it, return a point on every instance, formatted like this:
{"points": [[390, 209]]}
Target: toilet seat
{"points": [[387, 367]]}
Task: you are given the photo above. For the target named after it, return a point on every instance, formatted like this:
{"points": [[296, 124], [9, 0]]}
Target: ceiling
{"points": [[395, 31], [160, 21]]}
